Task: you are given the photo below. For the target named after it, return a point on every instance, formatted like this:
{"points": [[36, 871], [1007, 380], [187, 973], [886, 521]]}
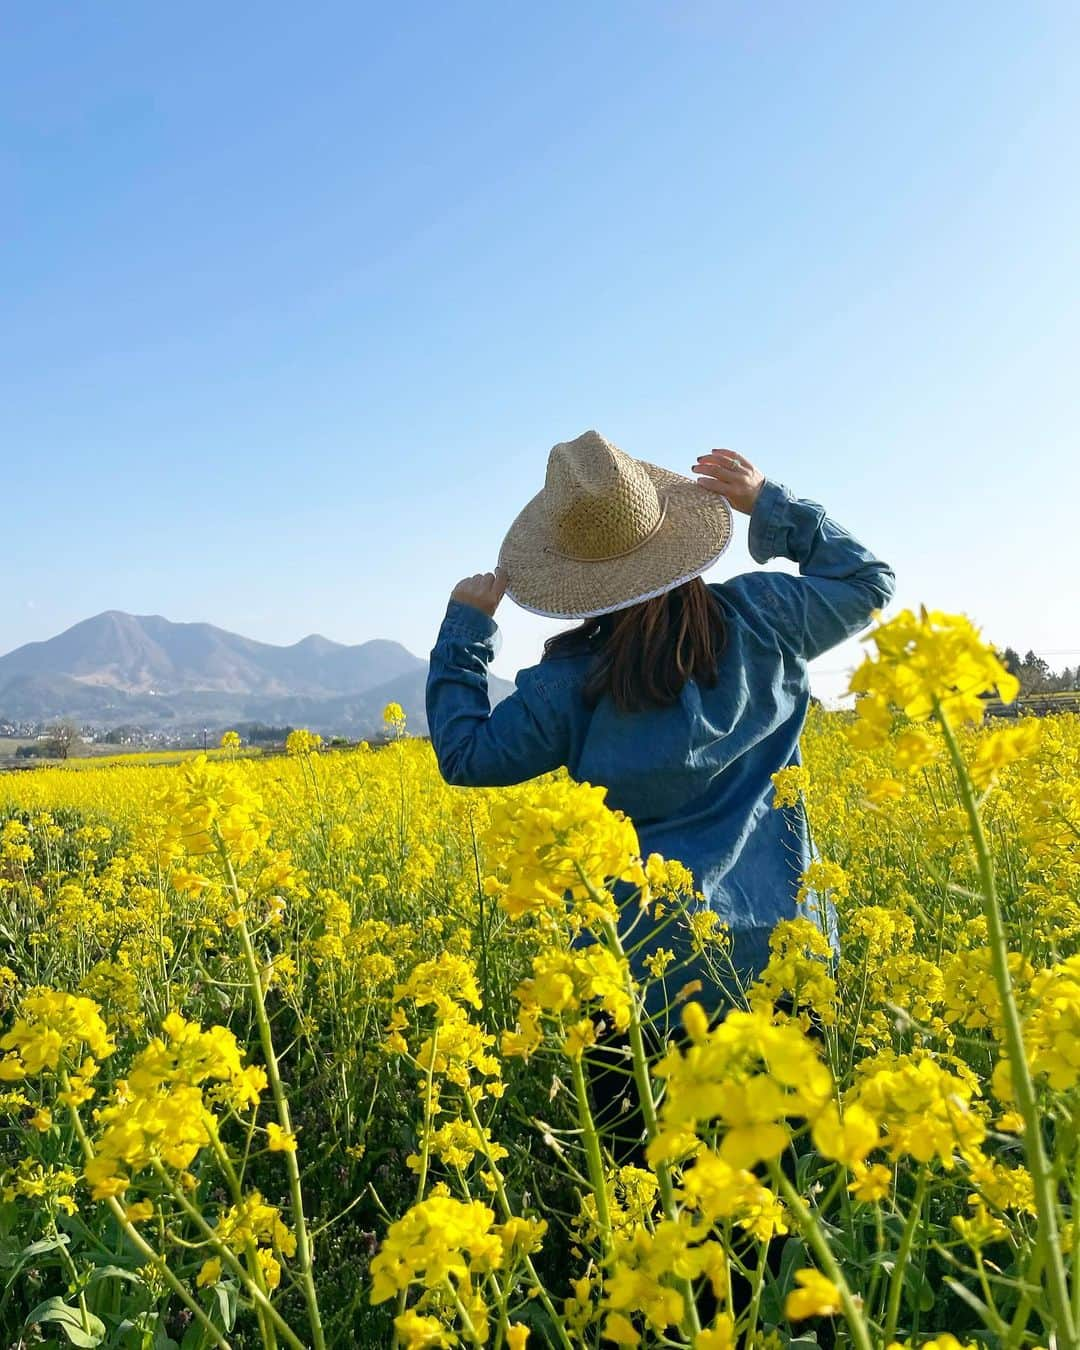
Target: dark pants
{"points": [[616, 1108]]}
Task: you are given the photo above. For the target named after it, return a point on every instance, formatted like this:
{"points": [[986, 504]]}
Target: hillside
{"points": [[119, 668]]}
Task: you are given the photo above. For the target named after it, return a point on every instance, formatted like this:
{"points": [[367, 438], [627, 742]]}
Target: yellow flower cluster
{"points": [[53, 1025], [429, 976], [926, 661], [160, 1113], [558, 847]]}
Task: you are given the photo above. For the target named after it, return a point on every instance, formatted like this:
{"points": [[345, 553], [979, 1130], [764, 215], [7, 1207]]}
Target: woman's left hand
{"points": [[732, 475], [484, 590]]}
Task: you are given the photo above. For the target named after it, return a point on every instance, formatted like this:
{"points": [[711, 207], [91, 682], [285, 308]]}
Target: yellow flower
{"points": [[720, 1336], [53, 1023], [559, 845], [848, 1140], [302, 742], [619, 1328], [981, 1228], [870, 1182], [816, 1296], [209, 1272], [880, 791], [421, 1332], [915, 749], [788, 786], [280, 1141], [927, 661], [657, 962], [437, 1239], [270, 1267], [1001, 748], [942, 1340]]}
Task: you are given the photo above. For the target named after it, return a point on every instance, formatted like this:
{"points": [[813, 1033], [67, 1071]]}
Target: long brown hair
{"points": [[643, 655]]}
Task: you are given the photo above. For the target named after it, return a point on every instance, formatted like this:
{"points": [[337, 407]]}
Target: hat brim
{"points": [[695, 531]]}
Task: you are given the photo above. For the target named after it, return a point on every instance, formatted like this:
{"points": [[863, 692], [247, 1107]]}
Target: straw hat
{"points": [[608, 531]]}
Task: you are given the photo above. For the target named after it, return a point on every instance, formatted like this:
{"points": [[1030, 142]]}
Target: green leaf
{"points": [[114, 1273], [16, 1260], [972, 1300], [226, 1293], [70, 1322], [806, 1165], [920, 1291], [43, 1245], [793, 1254]]}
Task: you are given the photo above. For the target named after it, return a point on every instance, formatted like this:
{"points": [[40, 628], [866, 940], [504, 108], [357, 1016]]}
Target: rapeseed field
{"points": [[297, 1051]]}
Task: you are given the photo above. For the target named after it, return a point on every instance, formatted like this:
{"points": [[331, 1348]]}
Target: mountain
{"points": [[124, 668]]}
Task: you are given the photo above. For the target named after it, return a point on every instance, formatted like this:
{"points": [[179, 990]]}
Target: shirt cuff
{"points": [[469, 621], [766, 521]]}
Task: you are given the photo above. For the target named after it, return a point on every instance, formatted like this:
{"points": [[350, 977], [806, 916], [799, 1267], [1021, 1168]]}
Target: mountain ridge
{"points": [[117, 667]]}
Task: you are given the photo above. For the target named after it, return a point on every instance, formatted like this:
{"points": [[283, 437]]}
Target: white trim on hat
{"points": [[623, 604]]}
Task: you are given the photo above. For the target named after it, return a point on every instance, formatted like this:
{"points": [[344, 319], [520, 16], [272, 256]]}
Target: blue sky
{"points": [[297, 298]]}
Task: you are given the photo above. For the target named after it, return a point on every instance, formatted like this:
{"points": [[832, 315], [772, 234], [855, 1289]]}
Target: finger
{"points": [[719, 471]]}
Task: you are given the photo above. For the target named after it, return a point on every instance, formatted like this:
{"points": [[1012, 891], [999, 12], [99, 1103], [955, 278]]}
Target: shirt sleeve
{"points": [[477, 745], [840, 583]]}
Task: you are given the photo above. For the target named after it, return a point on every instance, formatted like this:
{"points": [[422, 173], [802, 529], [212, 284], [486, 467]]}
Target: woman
{"points": [[682, 698]]}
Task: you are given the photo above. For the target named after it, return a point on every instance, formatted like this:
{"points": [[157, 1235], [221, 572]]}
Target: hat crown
{"points": [[601, 502]]}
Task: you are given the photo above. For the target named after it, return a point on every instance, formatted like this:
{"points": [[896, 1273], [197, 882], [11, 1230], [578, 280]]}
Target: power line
{"points": [[847, 670]]}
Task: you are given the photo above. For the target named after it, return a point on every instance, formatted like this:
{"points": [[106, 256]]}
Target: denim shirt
{"points": [[694, 777]]}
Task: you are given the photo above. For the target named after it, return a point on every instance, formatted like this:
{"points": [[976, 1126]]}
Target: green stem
{"points": [[896, 1283], [1018, 1326], [860, 1332], [998, 1324], [425, 1145], [508, 1213], [640, 1059], [466, 1320], [65, 1256], [149, 1255], [292, 1166], [230, 1259], [593, 1157], [1048, 1241]]}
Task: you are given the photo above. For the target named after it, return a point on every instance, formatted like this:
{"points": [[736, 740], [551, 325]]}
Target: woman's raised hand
{"points": [[734, 477], [484, 590]]}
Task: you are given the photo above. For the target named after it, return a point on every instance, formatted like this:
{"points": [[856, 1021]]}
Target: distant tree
{"points": [[63, 737], [258, 733], [1035, 674], [123, 735], [1011, 661]]}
